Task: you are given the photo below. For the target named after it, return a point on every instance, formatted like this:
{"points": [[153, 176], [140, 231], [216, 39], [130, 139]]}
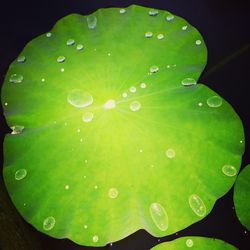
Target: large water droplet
{"points": [[110, 104], [113, 193], [154, 69], [229, 170], [159, 216], [214, 101], [60, 59], [135, 106], [79, 98], [169, 17], [20, 174], [49, 223], [70, 42], [153, 12], [188, 82], [95, 238], [148, 34], [16, 78], [197, 205], [170, 153], [17, 129], [189, 243], [21, 59], [88, 117], [92, 22]]}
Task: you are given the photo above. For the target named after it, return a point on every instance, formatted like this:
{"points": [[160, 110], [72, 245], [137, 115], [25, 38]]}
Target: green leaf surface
{"points": [[194, 242], [111, 133], [241, 197]]}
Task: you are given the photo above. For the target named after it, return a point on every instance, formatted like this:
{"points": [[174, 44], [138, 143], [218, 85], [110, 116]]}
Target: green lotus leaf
{"points": [[111, 132], [194, 242], [241, 197]]}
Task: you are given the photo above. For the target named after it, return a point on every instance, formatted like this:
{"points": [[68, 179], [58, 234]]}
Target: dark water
{"points": [[225, 28]]}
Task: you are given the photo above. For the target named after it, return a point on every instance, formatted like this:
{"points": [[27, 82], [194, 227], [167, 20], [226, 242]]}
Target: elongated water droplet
{"points": [[70, 42], [92, 22], [21, 59], [16, 78], [20, 174], [79, 47], [122, 11], [135, 106], [49, 223], [79, 98], [17, 129], [169, 17], [170, 153], [229, 170], [153, 12], [188, 82], [214, 101], [60, 59], [88, 117], [148, 34], [160, 36], [113, 193], [197, 205], [159, 216], [189, 243], [154, 69], [110, 104]]}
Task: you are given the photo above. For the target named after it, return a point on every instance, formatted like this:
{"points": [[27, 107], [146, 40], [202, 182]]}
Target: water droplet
{"points": [[159, 216], [110, 104], [21, 59], [95, 187], [160, 36], [154, 69], [197, 205], [214, 101], [148, 34], [184, 27], [124, 95], [79, 47], [122, 11], [66, 187], [188, 82], [49, 223], [5, 104], [79, 98], [143, 85], [49, 34], [113, 193], [153, 12], [109, 54], [132, 89], [60, 59], [169, 17], [95, 238], [229, 170], [17, 129], [170, 153], [16, 78], [43, 80], [85, 226], [200, 104], [62, 69], [70, 42], [140, 150], [135, 106], [20, 174], [92, 22], [198, 42], [189, 243], [88, 117]]}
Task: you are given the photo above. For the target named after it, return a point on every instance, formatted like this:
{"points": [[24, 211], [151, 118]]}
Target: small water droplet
{"points": [[122, 11], [49, 34], [43, 79], [17, 129], [214, 101], [148, 34], [109, 54], [241, 141], [92, 22], [79, 47], [20, 174], [143, 85], [60, 59], [88, 117], [113, 193], [79, 98], [95, 187], [200, 104], [95, 238], [184, 27], [188, 82], [5, 104], [154, 69], [140, 150], [197, 205], [198, 42], [132, 89], [189, 243], [66, 187], [16, 78], [62, 69], [153, 12], [160, 36], [21, 59], [159, 216], [110, 104], [49, 223], [135, 106], [70, 42], [85, 226], [81, 140], [169, 17], [124, 95], [229, 170], [170, 153]]}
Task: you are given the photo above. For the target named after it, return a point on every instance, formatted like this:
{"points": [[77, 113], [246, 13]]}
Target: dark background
{"points": [[225, 27]]}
